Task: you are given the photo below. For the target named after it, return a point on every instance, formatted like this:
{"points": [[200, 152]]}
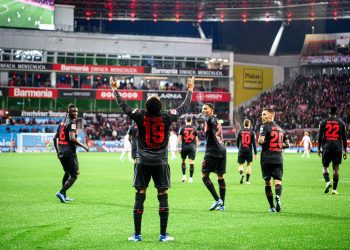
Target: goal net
{"points": [[35, 142]]}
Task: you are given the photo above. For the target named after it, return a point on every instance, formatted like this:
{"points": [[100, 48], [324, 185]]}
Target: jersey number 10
{"points": [[246, 138]]}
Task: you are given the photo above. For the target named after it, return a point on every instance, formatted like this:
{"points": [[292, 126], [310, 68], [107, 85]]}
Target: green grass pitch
{"points": [[101, 215], [15, 14]]}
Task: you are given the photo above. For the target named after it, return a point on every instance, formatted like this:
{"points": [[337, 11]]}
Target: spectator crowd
{"points": [[304, 102]]}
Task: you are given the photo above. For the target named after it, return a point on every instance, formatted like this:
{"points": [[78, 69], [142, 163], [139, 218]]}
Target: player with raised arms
{"points": [[153, 126]]}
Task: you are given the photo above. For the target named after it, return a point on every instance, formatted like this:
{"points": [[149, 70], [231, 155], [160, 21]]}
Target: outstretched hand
{"points": [[190, 83], [113, 83]]}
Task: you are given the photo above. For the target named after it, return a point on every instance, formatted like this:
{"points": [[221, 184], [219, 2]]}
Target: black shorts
{"points": [[191, 153], [214, 164], [159, 173], [272, 170], [242, 158], [70, 163], [328, 157]]}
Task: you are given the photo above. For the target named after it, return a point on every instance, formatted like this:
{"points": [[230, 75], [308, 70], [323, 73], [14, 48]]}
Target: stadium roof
{"points": [[210, 10]]}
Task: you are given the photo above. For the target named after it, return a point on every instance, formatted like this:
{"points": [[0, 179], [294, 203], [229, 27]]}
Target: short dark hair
{"points": [[270, 110], [246, 123], [153, 105], [210, 105], [71, 106], [188, 119], [333, 110]]}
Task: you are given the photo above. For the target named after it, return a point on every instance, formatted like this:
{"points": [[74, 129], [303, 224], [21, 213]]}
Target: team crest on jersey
{"points": [[74, 126], [173, 111]]}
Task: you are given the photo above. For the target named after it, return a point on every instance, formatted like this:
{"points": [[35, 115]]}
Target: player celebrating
{"points": [[187, 146], [215, 157], [273, 140], [246, 144], [306, 141], [331, 143], [152, 154], [65, 143]]}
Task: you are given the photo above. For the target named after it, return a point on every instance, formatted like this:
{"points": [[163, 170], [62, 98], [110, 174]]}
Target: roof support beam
{"points": [[200, 30], [277, 40]]}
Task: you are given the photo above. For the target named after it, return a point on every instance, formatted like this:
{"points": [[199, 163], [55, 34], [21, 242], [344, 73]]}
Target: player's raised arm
{"points": [[186, 103], [122, 104]]}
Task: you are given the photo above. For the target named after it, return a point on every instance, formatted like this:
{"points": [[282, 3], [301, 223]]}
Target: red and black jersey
{"points": [[66, 126], [153, 130], [246, 141], [273, 145], [215, 141], [332, 135], [188, 134]]}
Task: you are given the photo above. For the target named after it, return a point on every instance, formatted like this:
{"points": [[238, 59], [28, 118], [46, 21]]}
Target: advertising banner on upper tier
{"points": [[25, 66], [75, 93], [33, 92], [102, 69]]}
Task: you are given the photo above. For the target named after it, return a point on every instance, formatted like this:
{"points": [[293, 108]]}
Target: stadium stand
{"points": [[302, 103]]}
